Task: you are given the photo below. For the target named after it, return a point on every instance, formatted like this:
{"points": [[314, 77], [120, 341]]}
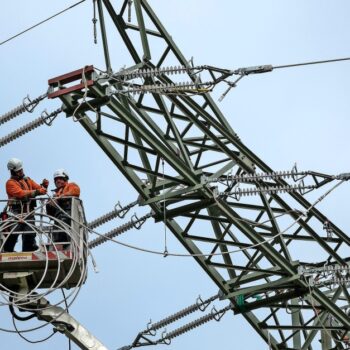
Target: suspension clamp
{"points": [[49, 118]]}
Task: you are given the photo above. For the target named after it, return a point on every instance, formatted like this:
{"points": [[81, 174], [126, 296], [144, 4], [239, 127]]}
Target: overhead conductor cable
{"points": [[242, 72], [269, 68], [41, 22]]}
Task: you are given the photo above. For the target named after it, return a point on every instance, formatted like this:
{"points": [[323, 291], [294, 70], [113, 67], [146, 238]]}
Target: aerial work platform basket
{"points": [[54, 264]]}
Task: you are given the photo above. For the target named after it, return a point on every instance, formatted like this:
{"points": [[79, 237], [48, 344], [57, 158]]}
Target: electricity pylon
{"points": [[175, 147]]}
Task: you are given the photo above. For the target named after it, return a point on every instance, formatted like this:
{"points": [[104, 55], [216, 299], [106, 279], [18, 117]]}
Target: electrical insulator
{"points": [[268, 190], [48, 119], [119, 230], [118, 211], [28, 105], [154, 72]]}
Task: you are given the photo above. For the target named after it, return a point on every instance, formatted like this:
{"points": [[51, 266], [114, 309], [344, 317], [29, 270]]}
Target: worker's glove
{"points": [[344, 176], [40, 191], [45, 183]]}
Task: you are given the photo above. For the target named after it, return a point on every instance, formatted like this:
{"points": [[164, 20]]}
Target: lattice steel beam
{"points": [[191, 135]]}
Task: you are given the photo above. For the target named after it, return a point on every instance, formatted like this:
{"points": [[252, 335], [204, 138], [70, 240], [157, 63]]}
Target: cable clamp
{"points": [[166, 253], [121, 212], [49, 118], [136, 222], [28, 104], [218, 314], [203, 304], [164, 338], [149, 329]]}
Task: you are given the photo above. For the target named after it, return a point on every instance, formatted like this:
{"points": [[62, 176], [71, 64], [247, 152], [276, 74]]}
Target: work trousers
{"points": [[62, 236], [28, 236]]}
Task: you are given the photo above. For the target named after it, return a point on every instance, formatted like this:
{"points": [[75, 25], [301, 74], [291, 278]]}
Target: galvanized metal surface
{"points": [[194, 139]]}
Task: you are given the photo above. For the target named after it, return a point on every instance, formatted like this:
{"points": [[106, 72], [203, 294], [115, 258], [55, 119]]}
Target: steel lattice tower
{"points": [[191, 136]]}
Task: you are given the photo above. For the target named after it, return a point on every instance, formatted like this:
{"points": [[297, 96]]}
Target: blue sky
{"points": [[293, 115]]}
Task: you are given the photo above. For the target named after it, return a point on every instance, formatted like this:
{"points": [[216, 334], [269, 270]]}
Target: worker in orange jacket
{"points": [[63, 197], [21, 191]]}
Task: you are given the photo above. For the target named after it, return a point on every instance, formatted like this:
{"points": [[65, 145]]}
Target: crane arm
{"points": [[70, 327]]}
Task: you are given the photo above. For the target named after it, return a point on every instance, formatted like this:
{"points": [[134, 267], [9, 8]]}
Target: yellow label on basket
{"points": [[16, 257]]}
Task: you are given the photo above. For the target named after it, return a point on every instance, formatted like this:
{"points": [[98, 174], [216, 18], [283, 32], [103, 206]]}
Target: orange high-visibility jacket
{"points": [[21, 189], [70, 189]]}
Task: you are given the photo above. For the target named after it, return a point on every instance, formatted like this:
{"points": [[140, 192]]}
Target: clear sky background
{"points": [[293, 115]]}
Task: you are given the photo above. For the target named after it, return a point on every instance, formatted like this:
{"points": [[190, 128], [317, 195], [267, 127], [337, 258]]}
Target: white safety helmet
{"points": [[14, 164], [60, 173]]}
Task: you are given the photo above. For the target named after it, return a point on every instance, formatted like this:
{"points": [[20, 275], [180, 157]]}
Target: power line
{"points": [[269, 68], [43, 21], [312, 62], [266, 68]]}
